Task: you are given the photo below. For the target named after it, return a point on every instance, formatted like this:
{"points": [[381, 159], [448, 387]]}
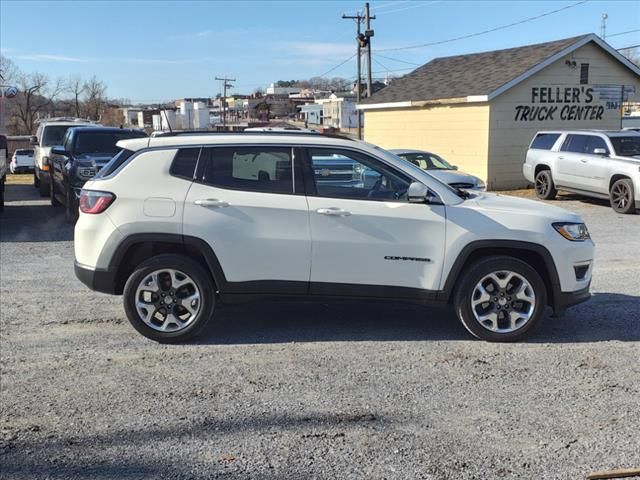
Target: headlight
{"points": [[576, 232]]}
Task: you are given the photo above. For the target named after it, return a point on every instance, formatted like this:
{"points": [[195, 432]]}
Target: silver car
{"points": [[441, 169], [594, 163]]}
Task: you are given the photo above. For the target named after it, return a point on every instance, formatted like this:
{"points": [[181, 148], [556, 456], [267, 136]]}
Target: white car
{"points": [[179, 223], [441, 169], [22, 161], [49, 134], [593, 163]]}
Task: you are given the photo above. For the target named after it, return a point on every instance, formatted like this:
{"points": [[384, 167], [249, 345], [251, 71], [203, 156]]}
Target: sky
{"points": [[153, 51]]}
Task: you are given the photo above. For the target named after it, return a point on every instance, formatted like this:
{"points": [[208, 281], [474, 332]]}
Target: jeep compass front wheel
{"points": [[169, 298], [500, 299]]}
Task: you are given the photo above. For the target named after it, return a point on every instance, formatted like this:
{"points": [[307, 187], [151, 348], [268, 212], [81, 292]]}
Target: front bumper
{"points": [[98, 280], [564, 300]]}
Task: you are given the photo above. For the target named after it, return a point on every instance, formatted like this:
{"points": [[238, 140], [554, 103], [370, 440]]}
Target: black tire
{"points": [[52, 194], [71, 208], [36, 181], [545, 188], [464, 296], [44, 188], [622, 196], [200, 278]]}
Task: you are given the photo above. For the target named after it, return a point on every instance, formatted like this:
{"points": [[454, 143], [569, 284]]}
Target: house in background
{"points": [[480, 111]]}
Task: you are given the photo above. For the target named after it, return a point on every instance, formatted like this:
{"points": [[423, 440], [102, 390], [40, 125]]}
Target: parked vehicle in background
{"points": [[22, 161], [50, 132], [441, 169], [594, 163], [3, 168], [178, 223], [84, 151]]}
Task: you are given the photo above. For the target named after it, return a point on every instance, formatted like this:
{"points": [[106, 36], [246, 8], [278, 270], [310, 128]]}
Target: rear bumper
{"points": [[21, 169], [96, 279], [564, 300]]}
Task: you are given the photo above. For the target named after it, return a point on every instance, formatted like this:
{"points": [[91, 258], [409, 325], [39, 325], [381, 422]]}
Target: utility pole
{"points": [[225, 85], [358, 18], [368, 33], [363, 40], [603, 26]]}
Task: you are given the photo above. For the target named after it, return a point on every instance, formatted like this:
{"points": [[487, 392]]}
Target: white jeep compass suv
{"points": [[181, 222]]}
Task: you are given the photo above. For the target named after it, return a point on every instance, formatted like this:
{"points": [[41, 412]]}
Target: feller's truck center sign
{"points": [[569, 103]]}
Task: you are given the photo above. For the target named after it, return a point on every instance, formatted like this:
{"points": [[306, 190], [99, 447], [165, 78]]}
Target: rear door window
{"points": [[575, 143], [252, 169], [545, 141]]}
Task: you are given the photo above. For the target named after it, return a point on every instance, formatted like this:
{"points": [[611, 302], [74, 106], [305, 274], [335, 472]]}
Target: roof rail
{"points": [[64, 119], [260, 133]]}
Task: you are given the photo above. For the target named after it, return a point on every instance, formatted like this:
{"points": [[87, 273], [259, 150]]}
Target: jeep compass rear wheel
{"points": [[545, 189], [169, 298], [500, 299]]}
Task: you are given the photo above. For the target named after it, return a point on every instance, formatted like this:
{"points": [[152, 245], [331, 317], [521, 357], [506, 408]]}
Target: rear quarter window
{"points": [[185, 162], [545, 141]]}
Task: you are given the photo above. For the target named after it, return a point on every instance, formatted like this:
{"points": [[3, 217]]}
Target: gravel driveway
{"points": [[302, 390]]}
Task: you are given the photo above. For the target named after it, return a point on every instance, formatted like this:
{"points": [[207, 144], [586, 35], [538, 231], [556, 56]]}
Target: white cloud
{"points": [[191, 36], [43, 57]]}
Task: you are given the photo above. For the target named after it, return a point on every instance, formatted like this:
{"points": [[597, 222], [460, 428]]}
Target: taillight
{"points": [[92, 201]]}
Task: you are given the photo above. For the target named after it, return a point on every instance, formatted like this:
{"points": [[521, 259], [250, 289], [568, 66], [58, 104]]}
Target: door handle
{"points": [[584, 160], [560, 158], [334, 212], [211, 203]]}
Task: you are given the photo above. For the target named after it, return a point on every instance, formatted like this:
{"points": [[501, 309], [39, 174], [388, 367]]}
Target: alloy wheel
{"points": [[503, 301], [542, 184], [620, 195], [167, 300]]}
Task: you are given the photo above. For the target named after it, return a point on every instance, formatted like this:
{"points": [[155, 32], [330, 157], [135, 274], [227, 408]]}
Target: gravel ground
{"points": [[302, 390]]}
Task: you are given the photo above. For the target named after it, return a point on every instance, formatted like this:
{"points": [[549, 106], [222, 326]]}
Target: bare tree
{"points": [[8, 70], [94, 91], [36, 93], [76, 87], [633, 55]]}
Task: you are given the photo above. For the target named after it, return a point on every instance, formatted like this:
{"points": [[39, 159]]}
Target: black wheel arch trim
{"points": [[471, 248]]}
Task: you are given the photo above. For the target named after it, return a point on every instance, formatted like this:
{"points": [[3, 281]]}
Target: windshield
{"points": [[101, 142], [53, 134], [426, 161], [626, 146]]}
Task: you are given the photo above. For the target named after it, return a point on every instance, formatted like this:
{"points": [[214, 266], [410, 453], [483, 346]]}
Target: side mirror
{"points": [[417, 193], [455, 167], [600, 151], [59, 150], [33, 140]]}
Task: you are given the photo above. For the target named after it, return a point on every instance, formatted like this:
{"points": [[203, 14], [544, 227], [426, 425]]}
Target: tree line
{"points": [[40, 95]]}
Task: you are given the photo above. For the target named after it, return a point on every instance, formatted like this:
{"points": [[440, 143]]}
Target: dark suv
{"points": [[85, 150]]}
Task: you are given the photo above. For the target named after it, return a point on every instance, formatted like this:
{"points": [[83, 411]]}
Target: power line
{"points": [[398, 60], [484, 32], [623, 33], [339, 65], [629, 47]]}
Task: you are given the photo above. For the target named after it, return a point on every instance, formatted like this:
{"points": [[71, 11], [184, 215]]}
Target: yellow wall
{"points": [[509, 138], [458, 133]]}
